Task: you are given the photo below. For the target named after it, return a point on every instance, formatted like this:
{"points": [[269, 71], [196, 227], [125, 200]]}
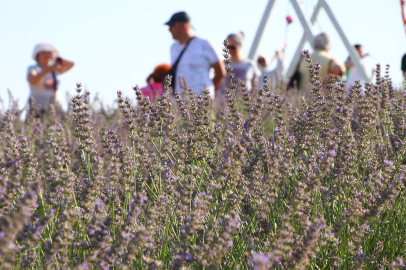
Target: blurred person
{"points": [[155, 82], [43, 77], [329, 65], [403, 66], [193, 57], [352, 72], [244, 69], [264, 65]]}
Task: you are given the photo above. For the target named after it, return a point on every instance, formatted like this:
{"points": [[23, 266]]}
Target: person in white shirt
{"points": [[352, 72], [198, 59], [43, 77]]}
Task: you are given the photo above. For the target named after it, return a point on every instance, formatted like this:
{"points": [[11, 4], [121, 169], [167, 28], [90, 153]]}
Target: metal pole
{"points": [[261, 29], [303, 20], [296, 56], [351, 50]]}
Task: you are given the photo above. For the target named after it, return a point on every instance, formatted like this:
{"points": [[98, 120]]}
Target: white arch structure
{"points": [[309, 34]]}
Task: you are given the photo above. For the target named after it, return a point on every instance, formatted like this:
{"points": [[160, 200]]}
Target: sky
{"points": [[116, 44]]}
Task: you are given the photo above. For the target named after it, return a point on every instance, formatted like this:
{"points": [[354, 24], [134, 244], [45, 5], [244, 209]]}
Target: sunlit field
{"points": [[268, 179]]}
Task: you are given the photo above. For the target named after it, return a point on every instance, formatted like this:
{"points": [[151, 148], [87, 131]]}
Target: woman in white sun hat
{"points": [[43, 77]]}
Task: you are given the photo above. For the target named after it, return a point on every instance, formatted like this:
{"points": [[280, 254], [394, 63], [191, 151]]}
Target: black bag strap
{"points": [[55, 80], [298, 64], [175, 65], [296, 76]]}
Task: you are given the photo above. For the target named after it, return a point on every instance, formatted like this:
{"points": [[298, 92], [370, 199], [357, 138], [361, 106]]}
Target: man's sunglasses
{"points": [[232, 47], [261, 60]]}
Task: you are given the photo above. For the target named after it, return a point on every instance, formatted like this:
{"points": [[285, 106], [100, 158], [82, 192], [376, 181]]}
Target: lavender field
{"points": [[268, 180]]}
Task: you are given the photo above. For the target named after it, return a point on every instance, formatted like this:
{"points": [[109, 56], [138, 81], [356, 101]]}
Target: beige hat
{"points": [[44, 47]]}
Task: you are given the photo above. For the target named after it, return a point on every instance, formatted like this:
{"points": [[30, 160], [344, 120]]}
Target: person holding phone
{"points": [[43, 77]]}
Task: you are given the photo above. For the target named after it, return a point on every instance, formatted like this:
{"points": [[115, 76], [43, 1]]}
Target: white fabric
{"points": [[354, 75], [44, 47], [43, 92], [194, 66]]}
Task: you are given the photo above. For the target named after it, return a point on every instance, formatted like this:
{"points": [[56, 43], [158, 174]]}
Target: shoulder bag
{"points": [[172, 71]]}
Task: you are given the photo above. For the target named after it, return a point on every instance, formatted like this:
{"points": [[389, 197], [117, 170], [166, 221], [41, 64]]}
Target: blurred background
{"points": [[116, 45]]}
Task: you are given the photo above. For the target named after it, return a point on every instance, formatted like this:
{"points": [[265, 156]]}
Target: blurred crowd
{"points": [[197, 63]]}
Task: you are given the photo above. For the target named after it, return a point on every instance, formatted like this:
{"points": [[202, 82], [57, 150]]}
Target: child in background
{"points": [[155, 82], [264, 65]]}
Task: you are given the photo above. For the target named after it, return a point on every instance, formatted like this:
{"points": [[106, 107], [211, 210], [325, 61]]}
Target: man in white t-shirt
{"points": [[197, 60]]}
